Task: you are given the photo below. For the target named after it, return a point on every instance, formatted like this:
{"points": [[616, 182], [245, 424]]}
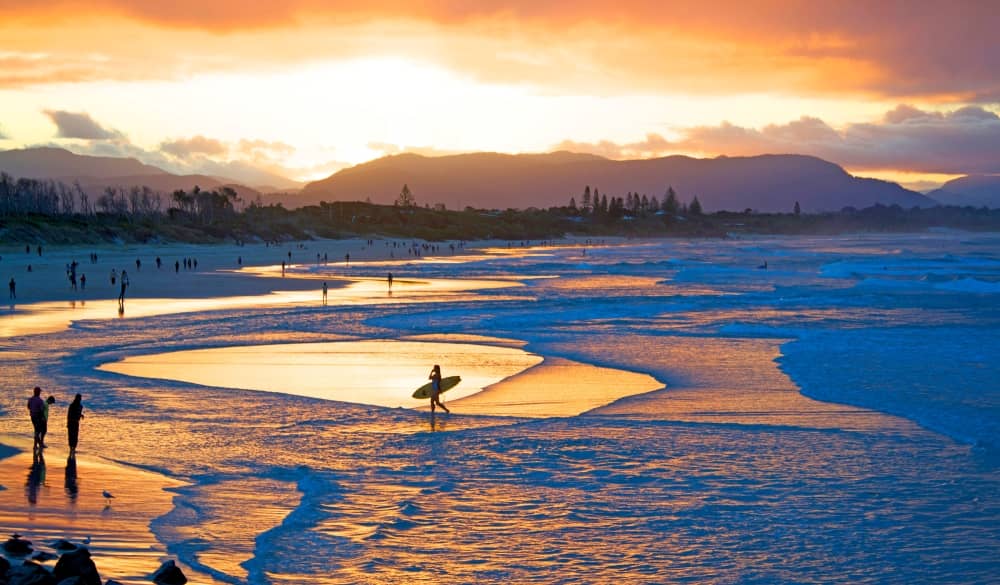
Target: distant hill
{"points": [[53, 163], [491, 180], [974, 190], [94, 173]]}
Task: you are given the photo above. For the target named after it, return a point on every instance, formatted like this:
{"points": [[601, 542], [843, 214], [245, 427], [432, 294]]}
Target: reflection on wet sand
{"points": [[557, 387], [71, 484], [385, 372], [47, 317], [36, 477], [380, 372], [119, 538]]}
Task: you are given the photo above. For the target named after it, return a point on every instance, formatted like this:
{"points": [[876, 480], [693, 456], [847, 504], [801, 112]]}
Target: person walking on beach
{"points": [[124, 286], [435, 378], [73, 415], [83, 282], [114, 276], [324, 293], [13, 288], [36, 408], [389, 278]]}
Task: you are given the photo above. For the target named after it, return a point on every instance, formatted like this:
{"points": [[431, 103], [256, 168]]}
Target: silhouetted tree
{"points": [[406, 198], [695, 207], [670, 204], [586, 198], [798, 210]]}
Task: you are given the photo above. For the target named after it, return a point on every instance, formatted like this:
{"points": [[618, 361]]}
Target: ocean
{"points": [[797, 409]]}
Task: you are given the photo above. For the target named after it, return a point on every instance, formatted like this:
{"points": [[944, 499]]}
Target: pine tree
{"points": [[670, 204], [572, 203], [695, 207], [406, 198], [798, 210], [586, 198]]}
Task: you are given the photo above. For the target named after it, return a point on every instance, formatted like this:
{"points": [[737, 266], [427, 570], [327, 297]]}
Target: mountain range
{"points": [[491, 180], [499, 181], [974, 190], [95, 173]]}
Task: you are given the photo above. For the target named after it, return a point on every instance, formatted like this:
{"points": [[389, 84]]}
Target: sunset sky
{"points": [[299, 88]]}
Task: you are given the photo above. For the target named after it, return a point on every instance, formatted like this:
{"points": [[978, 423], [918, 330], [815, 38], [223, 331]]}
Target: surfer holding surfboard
{"points": [[435, 379]]}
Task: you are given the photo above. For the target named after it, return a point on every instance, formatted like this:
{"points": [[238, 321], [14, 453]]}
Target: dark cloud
{"points": [[962, 141], [186, 147], [79, 125]]}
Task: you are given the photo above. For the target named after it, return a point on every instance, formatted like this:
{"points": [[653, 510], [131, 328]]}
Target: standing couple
{"points": [[39, 411]]}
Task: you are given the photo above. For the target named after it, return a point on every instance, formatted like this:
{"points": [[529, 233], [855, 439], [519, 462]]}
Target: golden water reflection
{"points": [[497, 379], [62, 498], [47, 317], [379, 372]]}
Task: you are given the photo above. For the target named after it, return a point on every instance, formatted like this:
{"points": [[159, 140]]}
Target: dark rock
{"points": [[77, 563], [63, 545], [169, 574], [42, 556], [4, 567], [71, 581], [16, 545], [30, 573]]}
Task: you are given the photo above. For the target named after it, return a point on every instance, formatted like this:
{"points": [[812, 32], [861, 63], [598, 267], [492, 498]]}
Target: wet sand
{"points": [[56, 497]]}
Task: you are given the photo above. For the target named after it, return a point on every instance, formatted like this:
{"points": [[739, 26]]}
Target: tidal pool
{"points": [[386, 372]]}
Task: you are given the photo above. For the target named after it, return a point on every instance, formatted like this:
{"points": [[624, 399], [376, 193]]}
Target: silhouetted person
{"points": [[39, 250], [114, 276], [347, 259], [158, 262], [138, 265], [435, 378], [124, 287], [73, 415], [13, 288], [36, 408], [45, 422], [177, 266], [239, 261], [389, 278], [324, 292], [282, 269], [83, 282]]}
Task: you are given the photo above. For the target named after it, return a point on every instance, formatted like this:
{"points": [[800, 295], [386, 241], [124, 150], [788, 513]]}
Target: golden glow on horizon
{"points": [[343, 84]]}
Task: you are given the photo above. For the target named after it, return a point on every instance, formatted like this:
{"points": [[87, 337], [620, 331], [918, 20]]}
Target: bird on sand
{"points": [[107, 496]]}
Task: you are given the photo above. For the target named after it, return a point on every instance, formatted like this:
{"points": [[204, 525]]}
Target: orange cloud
{"points": [[185, 147], [918, 50]]}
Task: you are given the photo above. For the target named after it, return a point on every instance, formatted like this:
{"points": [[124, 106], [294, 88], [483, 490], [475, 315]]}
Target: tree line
{"points": [[632, 204]]}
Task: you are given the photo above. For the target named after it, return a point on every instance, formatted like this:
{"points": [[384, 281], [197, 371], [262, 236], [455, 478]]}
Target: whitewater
{"points": [[749, 409]]}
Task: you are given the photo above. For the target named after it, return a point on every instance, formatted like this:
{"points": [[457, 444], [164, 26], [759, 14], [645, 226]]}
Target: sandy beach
{"points": [[624, 416]]}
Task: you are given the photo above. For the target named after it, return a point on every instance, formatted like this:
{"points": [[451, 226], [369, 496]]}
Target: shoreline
{"points": [[64, 501]]}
